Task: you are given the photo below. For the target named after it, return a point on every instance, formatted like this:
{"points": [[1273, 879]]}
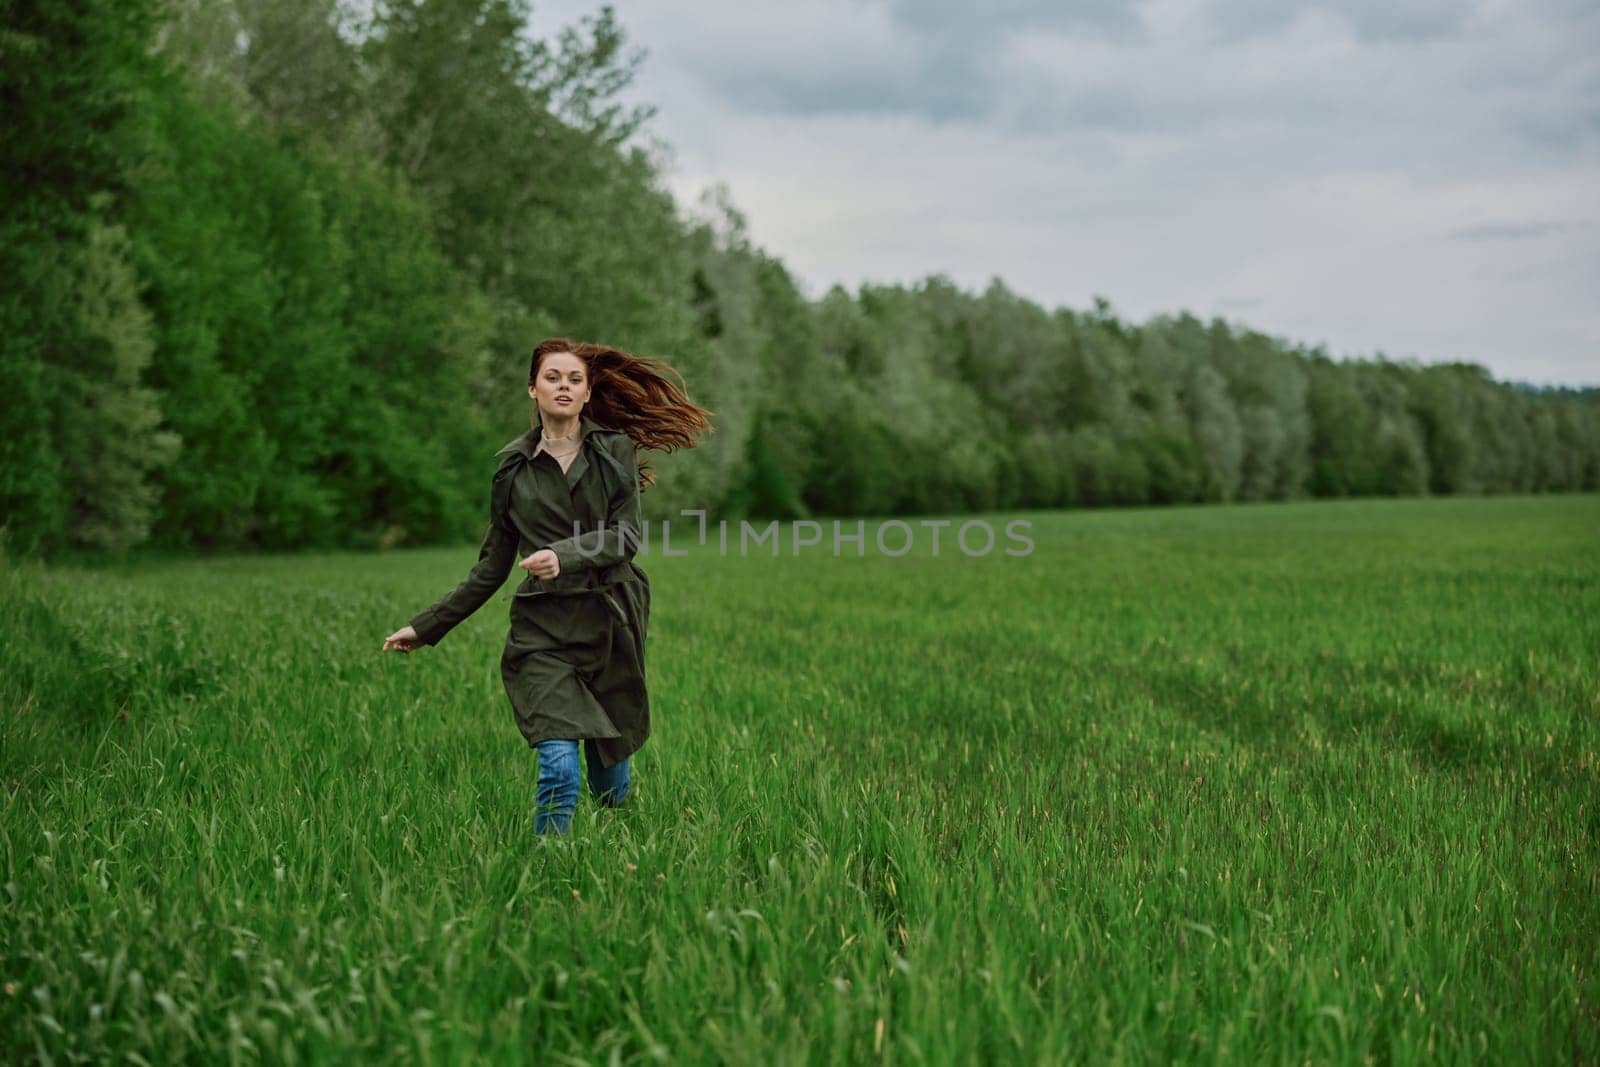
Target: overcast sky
{"points": [[1419, 178]]}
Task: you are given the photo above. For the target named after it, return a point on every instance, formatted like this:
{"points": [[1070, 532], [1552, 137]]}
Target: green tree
{"points": [[71, 77]]}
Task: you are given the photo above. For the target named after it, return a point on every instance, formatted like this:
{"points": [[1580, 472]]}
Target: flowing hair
{"points": [[633, 394]]}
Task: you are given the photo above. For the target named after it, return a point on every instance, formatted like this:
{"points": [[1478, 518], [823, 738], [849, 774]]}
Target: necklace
{"points": [[565, 452]]}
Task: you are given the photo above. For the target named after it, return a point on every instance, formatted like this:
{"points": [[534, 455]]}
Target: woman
{"points": [[564, 506]]}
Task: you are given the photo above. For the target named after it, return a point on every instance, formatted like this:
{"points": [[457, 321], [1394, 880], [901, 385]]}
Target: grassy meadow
{"points": [[1312, 782]]}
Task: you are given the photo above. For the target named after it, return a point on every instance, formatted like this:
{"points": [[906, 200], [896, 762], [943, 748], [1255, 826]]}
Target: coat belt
{"points": [[604, 591]]}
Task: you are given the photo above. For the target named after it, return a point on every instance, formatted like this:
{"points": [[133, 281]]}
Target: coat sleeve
{"points": [[495, 557], [618, 537]]}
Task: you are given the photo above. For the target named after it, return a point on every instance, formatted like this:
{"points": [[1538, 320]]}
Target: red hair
{"points": [[634, 394]]}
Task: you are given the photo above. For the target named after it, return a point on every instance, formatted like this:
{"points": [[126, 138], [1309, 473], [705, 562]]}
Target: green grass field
{"points": [[1270, 783]]}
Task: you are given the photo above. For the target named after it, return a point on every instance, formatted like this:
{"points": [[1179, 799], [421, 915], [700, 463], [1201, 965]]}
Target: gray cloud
{"points": [[1445, 69], [1372, 21], [939, 59], [977, 28], [1506, 231]]}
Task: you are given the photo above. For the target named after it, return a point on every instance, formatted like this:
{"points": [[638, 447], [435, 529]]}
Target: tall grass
{"points": [[1265, 783]]}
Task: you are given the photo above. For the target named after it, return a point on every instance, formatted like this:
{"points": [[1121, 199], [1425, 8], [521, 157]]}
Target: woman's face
{"points": [[562, 386]]}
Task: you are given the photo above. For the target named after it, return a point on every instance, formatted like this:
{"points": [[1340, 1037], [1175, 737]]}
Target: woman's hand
{"points": [[542, 564], [402, 640]]}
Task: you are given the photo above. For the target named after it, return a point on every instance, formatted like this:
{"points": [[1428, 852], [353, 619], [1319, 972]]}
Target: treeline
{"points": [[274, 267]]}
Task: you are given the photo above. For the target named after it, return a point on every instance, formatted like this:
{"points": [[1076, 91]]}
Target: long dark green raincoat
{"points": [[573, 663]]}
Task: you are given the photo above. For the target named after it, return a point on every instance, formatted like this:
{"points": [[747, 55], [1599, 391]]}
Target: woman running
{"points": [[565, 508]]}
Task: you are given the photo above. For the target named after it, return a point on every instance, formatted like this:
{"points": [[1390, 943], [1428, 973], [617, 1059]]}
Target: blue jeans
{"points": [[557, 791]]}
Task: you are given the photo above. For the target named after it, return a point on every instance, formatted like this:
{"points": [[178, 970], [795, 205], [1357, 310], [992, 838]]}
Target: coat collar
{"points": [[526, 444]]}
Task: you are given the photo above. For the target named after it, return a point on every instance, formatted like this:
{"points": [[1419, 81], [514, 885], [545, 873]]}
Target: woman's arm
{"points": [[618, 538], [495, 557]]}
